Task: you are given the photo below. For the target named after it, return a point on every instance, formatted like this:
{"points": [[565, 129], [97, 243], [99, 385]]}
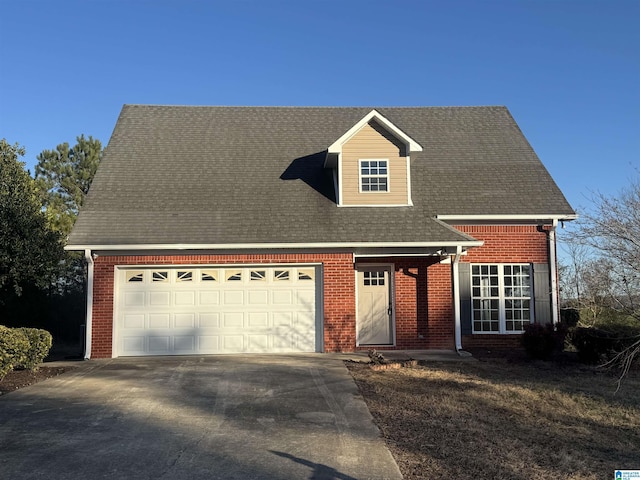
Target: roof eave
{"points": [[533, 218], [272, 246], [412, 145]]}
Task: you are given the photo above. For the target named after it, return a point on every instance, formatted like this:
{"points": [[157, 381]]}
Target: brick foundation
{"points": [[494, 342]]}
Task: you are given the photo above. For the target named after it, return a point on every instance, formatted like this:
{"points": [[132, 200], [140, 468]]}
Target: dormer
{"points": [[371, 164]]}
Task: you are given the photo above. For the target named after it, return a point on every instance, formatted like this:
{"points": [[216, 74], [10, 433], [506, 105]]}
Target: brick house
{"points": [[286, 229]]}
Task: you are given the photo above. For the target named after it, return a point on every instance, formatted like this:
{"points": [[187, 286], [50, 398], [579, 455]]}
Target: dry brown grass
{"points": [[493, 419]]}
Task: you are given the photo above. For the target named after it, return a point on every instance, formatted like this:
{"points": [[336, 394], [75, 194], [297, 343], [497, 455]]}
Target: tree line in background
{"points": [[600, 279], [42, 285]]}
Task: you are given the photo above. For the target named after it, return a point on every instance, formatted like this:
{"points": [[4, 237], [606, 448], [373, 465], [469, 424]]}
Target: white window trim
{"points": [[360, 176], [502, 320]]}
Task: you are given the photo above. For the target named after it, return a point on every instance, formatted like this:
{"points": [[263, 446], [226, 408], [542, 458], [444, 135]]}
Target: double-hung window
{"points": [[374, 176], [501, 298]]}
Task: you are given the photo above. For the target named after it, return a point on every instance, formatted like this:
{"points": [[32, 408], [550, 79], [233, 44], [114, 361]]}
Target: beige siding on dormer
{"points": [[372, 142]]}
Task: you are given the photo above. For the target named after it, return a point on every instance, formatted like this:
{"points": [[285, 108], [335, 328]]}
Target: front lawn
{"points": [[495, 419]]}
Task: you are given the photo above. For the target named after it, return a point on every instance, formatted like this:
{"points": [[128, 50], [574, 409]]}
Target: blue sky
{"points": [[569, 71]]}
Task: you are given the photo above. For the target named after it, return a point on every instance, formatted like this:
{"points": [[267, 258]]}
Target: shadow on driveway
{"points": [[227, 417]]}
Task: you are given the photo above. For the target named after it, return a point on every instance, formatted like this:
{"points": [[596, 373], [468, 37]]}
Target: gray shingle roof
{"points": [[228, 175]]}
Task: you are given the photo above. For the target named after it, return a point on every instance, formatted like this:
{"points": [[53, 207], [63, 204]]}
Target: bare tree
{"points": [[607, 274], [571, 273]]}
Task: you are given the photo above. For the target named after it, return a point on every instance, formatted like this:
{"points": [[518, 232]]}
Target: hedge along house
{"points": [[284, 229]]}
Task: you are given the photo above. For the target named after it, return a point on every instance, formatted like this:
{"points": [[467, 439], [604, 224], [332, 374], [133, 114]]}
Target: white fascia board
{"points": [[384, 255], [336, 147], [271, 246], [130, 266], [339, 180], [372, 205], [565, 217], [409, 198]]}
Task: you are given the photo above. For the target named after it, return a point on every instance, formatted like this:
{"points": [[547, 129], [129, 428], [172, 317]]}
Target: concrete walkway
{"points": [[401, 355], [213, 417]]}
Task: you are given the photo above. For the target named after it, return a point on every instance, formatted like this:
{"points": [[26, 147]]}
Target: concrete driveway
{"points": [[227, 417]]}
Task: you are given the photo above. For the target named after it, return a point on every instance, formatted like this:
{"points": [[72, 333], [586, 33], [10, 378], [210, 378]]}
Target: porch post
{"points": [[553, 270], [456, 299], [89, 314]]}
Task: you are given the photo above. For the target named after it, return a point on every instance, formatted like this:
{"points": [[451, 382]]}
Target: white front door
{"points": [[375, 306]]}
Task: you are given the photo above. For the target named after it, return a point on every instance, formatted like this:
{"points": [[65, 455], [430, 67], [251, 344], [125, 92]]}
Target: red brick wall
{"points": [[440, 292], [339, 303], [504, 244]]}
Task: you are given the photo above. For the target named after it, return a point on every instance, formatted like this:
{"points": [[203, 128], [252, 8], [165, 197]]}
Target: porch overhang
{"points": [[444, 249]]}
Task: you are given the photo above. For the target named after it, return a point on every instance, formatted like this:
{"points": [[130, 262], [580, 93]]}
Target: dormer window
{"points": [[371, 164], [374, 176]]}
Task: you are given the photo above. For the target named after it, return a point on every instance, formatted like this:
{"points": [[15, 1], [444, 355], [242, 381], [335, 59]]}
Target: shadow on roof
{"points": [[310, 169]]}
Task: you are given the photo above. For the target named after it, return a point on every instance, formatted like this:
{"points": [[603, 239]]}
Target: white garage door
{"points": [[189, 310]]}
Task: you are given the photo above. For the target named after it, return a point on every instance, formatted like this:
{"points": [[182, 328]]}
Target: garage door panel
{"points": [[134, 320], [258, 297], [282, 319], [209, 298], [258, 343], [134, 299], [184, 343], [133, 345], [282, 342], [233, 297], [282, 297], [160, 298], [184, 310], [258, 319], [159, 320], [208, 344], [159, 345], [185, 320], [305, 297], [303, 320], [233, 343], [209, 320], [185, 298], [233, 319]]}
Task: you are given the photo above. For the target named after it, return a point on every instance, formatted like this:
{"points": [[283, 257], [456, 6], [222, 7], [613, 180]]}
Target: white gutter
{"points": [[456, 304], [508, 217], [273, 246], [553, 271], [89, 314], [381, 254]]}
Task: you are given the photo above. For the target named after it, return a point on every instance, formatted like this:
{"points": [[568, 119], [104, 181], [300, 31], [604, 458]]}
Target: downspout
{"points": [[553, 267], [89, 314], [456, 303]]}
